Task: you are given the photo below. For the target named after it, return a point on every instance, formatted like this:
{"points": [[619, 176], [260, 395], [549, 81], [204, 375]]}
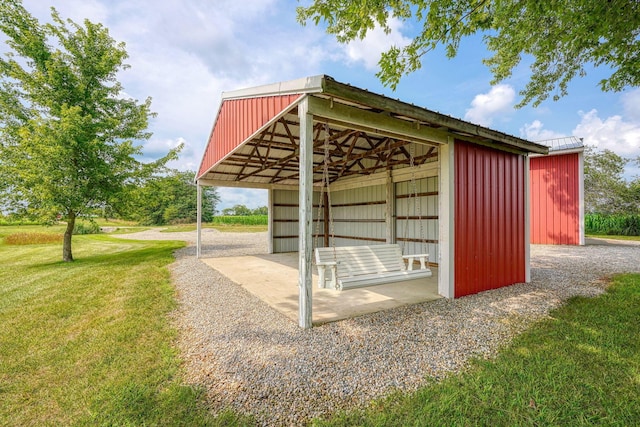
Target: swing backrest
{"points": [[361, 260]]}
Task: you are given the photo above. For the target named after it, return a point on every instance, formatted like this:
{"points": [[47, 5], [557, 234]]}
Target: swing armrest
{"points": [[333, 265], [422, 257]]}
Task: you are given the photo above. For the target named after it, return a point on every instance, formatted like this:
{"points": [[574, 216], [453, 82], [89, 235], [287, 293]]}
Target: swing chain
{"points": [[327, 183], [325, 187], [413, 193], [416, 203]]}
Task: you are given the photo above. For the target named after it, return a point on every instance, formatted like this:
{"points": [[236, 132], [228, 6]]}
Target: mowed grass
{"points": [[90, 342], [579, 367]]}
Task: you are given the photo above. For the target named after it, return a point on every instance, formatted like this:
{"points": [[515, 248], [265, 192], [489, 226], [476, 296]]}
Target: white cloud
{"points": [[76, 10], [486, 106], [369, 49], [535, 132], [613, 133]]}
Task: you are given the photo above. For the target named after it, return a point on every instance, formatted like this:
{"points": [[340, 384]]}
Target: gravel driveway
{"points": [[251, 358]]}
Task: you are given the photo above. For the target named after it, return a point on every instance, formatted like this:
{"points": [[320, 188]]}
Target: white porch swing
{"points": [[349, 267]]}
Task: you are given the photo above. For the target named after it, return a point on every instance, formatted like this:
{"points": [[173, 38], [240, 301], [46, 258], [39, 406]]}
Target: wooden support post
{"points": [[270, 213], [391, 208], [305, 205], [581, 196], [199, 220]]}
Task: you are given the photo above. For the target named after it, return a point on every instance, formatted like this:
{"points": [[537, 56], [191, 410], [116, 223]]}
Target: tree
{"points": [[171, 198], [237, 210], [262, 210], [562, 36], [66, 130], [605, 189]]}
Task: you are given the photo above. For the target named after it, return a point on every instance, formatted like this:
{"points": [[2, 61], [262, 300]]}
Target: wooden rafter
{"points": [[273, 154], [294, 141], [255, 151]]}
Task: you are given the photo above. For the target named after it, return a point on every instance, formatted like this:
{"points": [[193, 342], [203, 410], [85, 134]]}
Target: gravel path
{"points": [[251, 358]]}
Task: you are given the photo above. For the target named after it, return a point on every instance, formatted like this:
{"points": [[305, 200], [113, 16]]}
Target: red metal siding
{"points": [[237, 120], [555, 199], [489, 219]]}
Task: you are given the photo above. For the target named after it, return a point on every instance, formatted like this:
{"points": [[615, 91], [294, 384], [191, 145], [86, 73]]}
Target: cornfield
{"points": [[618, 225], [241, 219]]}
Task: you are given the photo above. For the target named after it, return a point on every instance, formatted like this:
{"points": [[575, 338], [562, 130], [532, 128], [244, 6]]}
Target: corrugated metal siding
{"points": [[358, 216], [237, 120], [555, 199], [285, 221], [489, 219], [409, 229]]}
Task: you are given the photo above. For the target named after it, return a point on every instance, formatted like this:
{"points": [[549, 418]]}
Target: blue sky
{"points": [[184, 53]]}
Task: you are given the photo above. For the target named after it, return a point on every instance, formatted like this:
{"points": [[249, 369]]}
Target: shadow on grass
{"points": [[122, 253]]}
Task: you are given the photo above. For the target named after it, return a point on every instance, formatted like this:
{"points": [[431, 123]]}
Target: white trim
{"points": [[581, 232], [270, 213], [527, 221], [558, 152], [305, 220], [446, 215], [199, 220], [311, 84]]}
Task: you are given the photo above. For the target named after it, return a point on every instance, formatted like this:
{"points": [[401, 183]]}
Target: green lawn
{"points": [[90, 342], [579, 367]]}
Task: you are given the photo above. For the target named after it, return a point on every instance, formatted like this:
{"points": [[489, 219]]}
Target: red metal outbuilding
{"points": [[557, 194], [295, 136]]}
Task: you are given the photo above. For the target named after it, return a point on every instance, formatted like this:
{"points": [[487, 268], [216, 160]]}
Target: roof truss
{"points": [[272, 156]]}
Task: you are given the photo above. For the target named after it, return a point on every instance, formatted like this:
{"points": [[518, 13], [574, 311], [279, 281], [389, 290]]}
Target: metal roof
{"points": [[254, 140], [561, 144]]}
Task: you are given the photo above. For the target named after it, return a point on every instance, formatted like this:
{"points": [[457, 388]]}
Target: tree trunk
{"points": [[67, 256]]}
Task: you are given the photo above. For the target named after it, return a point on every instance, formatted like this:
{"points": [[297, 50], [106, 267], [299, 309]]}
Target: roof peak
{"points": [[312, 84]]}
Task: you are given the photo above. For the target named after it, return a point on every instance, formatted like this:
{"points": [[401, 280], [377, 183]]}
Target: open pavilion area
{"points": [[274, 279]]}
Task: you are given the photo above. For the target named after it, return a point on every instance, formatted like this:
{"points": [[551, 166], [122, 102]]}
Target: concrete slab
{"points": [[274, 279]]}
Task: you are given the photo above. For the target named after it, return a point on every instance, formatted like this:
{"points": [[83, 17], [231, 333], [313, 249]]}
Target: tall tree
{"points": [[171, 198], [66, 131], [562, 36], [605, 189]]}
